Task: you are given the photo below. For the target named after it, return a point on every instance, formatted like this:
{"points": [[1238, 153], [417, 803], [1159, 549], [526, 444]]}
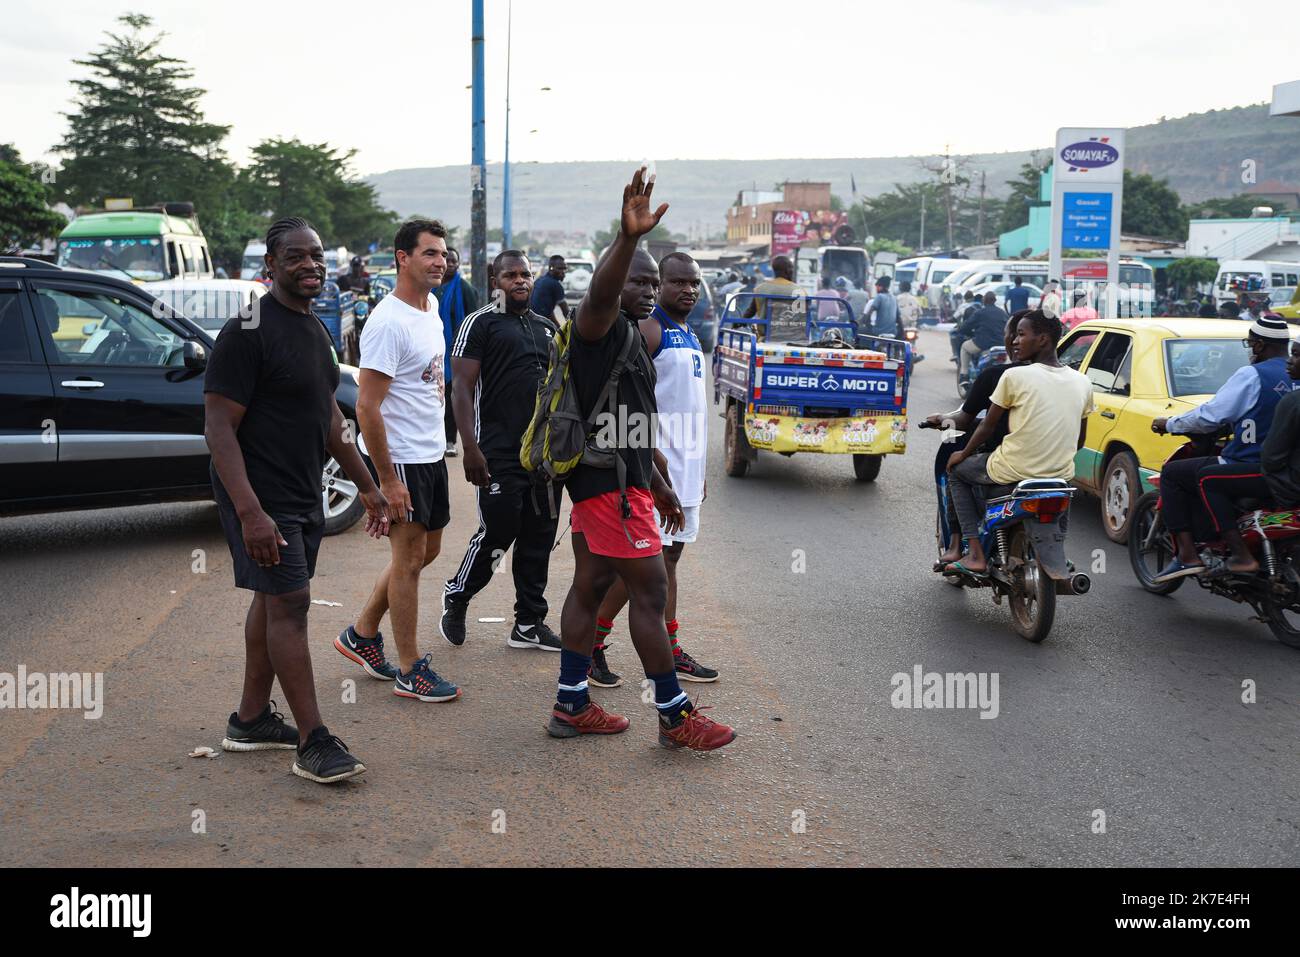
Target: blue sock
{"points": [[572, 695], [669, 697]]}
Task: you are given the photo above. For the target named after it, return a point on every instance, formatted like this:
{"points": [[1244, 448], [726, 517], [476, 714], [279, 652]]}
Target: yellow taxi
{"points": [[1291, 312], [1143, 369]]}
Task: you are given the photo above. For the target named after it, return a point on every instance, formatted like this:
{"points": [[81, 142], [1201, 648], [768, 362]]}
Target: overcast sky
{"points": [[672, 79]]}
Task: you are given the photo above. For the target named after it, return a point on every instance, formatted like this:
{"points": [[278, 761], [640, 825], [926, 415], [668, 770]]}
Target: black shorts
{"points": [[427, 483], [297, 559]]}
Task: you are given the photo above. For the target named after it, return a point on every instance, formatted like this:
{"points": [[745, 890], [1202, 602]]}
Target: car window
{"points": [[1075, 348], [1202, 366], [93, 328], [1107, 360], [13, 332]]}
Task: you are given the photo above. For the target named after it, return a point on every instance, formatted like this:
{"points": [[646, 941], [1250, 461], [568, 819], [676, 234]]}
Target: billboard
{"points": [[1087, 208], [792, 228]]}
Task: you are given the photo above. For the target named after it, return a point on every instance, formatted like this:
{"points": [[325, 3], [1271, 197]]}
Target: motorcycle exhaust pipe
{"points": [[1078, 584]]}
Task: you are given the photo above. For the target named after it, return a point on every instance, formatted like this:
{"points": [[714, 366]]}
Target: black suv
{"points": [[101, 397]]}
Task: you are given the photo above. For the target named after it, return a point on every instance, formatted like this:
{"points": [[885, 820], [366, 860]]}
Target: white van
{"points": [[1278, 280], [1003, 270], [254, 260]]}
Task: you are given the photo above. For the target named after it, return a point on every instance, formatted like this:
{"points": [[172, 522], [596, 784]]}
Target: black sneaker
{"points": [[268, 731], [599, 674], [688, 669], [325, 759], [452, 623], [533, 636]]}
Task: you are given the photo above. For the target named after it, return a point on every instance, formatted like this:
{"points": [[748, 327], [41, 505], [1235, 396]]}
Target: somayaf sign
{"points": [[1087, 208]]}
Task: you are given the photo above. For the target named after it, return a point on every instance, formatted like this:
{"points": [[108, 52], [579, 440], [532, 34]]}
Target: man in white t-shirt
{"points": [[400, 408], [1048, 405]]}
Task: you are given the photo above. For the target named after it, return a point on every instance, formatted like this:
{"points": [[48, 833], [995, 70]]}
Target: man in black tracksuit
{"points": [[499, 359]]}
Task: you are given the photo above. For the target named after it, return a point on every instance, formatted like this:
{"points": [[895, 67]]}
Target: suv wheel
{"points": [[342, 499]]}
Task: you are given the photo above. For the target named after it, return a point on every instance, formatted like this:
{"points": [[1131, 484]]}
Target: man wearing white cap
{"points": [[1246, 402]]}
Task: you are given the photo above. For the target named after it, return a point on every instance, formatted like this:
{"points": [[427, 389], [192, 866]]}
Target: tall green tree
{"points": [[25, 214], [1024, 194], [138, 130], [1184, 274], [314, 181], [1152, 208]]}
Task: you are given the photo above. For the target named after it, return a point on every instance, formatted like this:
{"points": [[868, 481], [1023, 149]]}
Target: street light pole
{"points": [[478, 167], [506, 212]]}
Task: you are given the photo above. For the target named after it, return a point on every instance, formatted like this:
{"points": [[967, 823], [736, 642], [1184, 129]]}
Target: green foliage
{"points": [[1184, 274], [603, 237], [25, 215], [890, 246], [139, 131], [1229, 207], [1152, 208], [1024, 195], [896, 214]]}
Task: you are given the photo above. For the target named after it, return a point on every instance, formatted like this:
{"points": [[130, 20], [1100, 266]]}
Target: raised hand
{"points": [[638, 219]]}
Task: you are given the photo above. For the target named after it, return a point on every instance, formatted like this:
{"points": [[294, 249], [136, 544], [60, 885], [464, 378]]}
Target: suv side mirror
{"points": [[196, 356]]}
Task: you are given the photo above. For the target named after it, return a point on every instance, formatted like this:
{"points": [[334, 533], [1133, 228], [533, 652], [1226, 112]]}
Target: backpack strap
{"points": [[609, 394]]}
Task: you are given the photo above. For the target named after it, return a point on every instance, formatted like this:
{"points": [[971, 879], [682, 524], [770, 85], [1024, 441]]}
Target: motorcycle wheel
{"points": [[1148, 559], [1033, 594], [1285, 630], [735, 462]]}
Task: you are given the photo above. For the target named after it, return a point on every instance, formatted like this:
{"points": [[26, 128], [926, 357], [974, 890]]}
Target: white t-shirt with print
{"points": [[407, 345]]}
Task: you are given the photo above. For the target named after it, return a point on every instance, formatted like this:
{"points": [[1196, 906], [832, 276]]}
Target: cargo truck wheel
{"points": [[735, 446], [867, 467]]}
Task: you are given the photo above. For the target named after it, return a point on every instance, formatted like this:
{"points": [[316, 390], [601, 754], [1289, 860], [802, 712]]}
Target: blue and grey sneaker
{"points": [[367, 652], [323, 758], [425, 684], [266, 732]]}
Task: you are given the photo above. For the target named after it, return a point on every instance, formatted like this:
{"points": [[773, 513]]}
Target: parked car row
{"points": [[101, 395]]}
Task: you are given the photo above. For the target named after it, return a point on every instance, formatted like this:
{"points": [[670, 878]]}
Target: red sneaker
{"points": [[696, 732], [592, 719]]}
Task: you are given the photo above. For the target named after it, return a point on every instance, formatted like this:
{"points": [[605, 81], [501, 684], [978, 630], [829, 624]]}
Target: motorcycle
{"points": [[993, 356], [1023, 535], [1272, 535]]}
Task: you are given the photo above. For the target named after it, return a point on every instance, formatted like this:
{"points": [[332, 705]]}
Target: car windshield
{"points": [[252, 265], [1201, 366], [849, 263], [134, 257]]}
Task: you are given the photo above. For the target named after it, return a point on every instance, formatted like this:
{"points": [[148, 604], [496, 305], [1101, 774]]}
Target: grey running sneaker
{"points": [[325, 759], [533, 636], [268, 731]]}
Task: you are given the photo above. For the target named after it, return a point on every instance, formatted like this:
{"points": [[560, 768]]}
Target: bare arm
{"points": [[599, 308], [372, 387], [221, 418], [982, 434], [464, 377], [653, 333], [345, 453]]}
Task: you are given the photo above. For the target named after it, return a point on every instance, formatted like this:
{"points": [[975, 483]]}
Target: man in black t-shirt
{"points": [[499, 360], [965, 419], [271, 423], [614, 529]]}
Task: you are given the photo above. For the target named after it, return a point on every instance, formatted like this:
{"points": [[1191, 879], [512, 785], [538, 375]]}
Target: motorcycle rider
{"points": [[981, 330], [1047, 404], [963, 312], [909, 307], [965, 419], [882, 317], [1247, 402]]}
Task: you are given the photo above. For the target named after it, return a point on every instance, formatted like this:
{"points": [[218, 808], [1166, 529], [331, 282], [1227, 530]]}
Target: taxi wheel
{"points": [[1120, 489]]}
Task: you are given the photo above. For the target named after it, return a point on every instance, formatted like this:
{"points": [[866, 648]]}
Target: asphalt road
{"points": [[1133, 707]]}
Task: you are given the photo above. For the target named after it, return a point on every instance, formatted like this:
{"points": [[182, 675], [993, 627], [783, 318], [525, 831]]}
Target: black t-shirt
{"points": [[979, 399], [513, 352], [283, 369], [636, 424]]}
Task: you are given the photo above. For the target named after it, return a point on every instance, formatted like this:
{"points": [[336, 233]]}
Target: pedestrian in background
{"points": [[456, 300]]}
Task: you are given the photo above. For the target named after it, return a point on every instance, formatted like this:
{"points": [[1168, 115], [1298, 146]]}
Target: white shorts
{"points": [[688, 532]]}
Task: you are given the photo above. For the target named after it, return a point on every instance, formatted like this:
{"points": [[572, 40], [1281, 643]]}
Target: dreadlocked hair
{"points": [[280, 228]]}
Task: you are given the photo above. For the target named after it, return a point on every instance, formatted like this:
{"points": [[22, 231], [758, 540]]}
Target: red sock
{"points": [[672, 635], [603, 627]]}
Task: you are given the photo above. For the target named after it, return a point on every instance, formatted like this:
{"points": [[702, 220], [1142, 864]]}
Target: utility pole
{"points": [[507, 198], [478, 163], [979, 228], [920, 246]]}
